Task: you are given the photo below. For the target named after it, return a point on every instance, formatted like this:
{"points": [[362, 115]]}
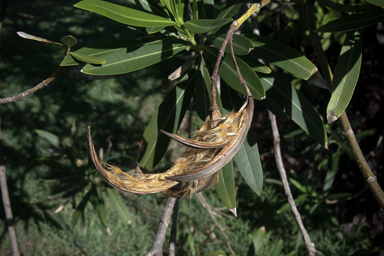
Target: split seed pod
{"points": [[206, 154]]}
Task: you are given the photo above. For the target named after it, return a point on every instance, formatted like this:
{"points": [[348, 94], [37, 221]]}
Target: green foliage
{"points": [[129, 105], [347, 72]]}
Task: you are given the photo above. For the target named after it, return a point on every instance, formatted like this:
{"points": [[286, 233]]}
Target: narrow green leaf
{"points": [[283, 56], [87, 59], [276, 249], [256, 65], [258, 239], [347, 72], [247, 158], [80, 208], [225, 188], [119, 61], [121, 209], [228, 72], [379, 3], [298, 185], [241, 44], [48, 136], [248, 161], [353, 22], [154, 30], [286, 102], [69, 41], [124, 56], [203, 95], [124, 15], [331, 174], [203, 25], [99, 204], [167, 117], [231, 8]]}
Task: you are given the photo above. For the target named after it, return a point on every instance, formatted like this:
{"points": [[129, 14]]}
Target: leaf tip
{"points": [[331, 118], [326, 145], [234, 211]]}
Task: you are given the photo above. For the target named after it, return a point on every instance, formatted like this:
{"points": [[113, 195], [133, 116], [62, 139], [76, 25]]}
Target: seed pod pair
{"points": [[212, 147]]}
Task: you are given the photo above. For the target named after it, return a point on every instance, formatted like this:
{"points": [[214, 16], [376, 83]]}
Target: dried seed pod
{"points": [[239, 122], [211, 141]]}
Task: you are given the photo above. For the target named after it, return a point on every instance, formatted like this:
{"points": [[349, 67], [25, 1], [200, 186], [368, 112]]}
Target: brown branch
{"points": [[157, 246], [24, 95], [228, 37], [280, 166], [7, 202], [361, 162], [175, 219], [209, 210]]}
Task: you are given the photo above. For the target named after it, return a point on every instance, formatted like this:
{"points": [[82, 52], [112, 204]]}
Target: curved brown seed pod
{"points": [[198, 144], [226, 154], [135, 183]]}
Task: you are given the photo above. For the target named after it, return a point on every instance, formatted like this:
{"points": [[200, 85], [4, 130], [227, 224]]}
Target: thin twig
{"points": [[157, 246], [24, 95], [280, 166], [7, 202], [175, 219], [208, 208], [360, 160]]}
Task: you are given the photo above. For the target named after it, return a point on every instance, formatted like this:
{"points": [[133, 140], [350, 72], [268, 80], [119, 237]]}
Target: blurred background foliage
{"points": [[340, 214]]}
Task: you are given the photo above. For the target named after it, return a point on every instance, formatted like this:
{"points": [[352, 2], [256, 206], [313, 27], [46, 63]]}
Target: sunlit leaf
{"points": [[203, 25], [353, 22], [286, 102], [69, 41], [225, 187], [347, 72], [124, 15], [283, 56], [167, 117], [87, 59], [241, 44], [35, 38], [48, 136], [124, 56]]}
